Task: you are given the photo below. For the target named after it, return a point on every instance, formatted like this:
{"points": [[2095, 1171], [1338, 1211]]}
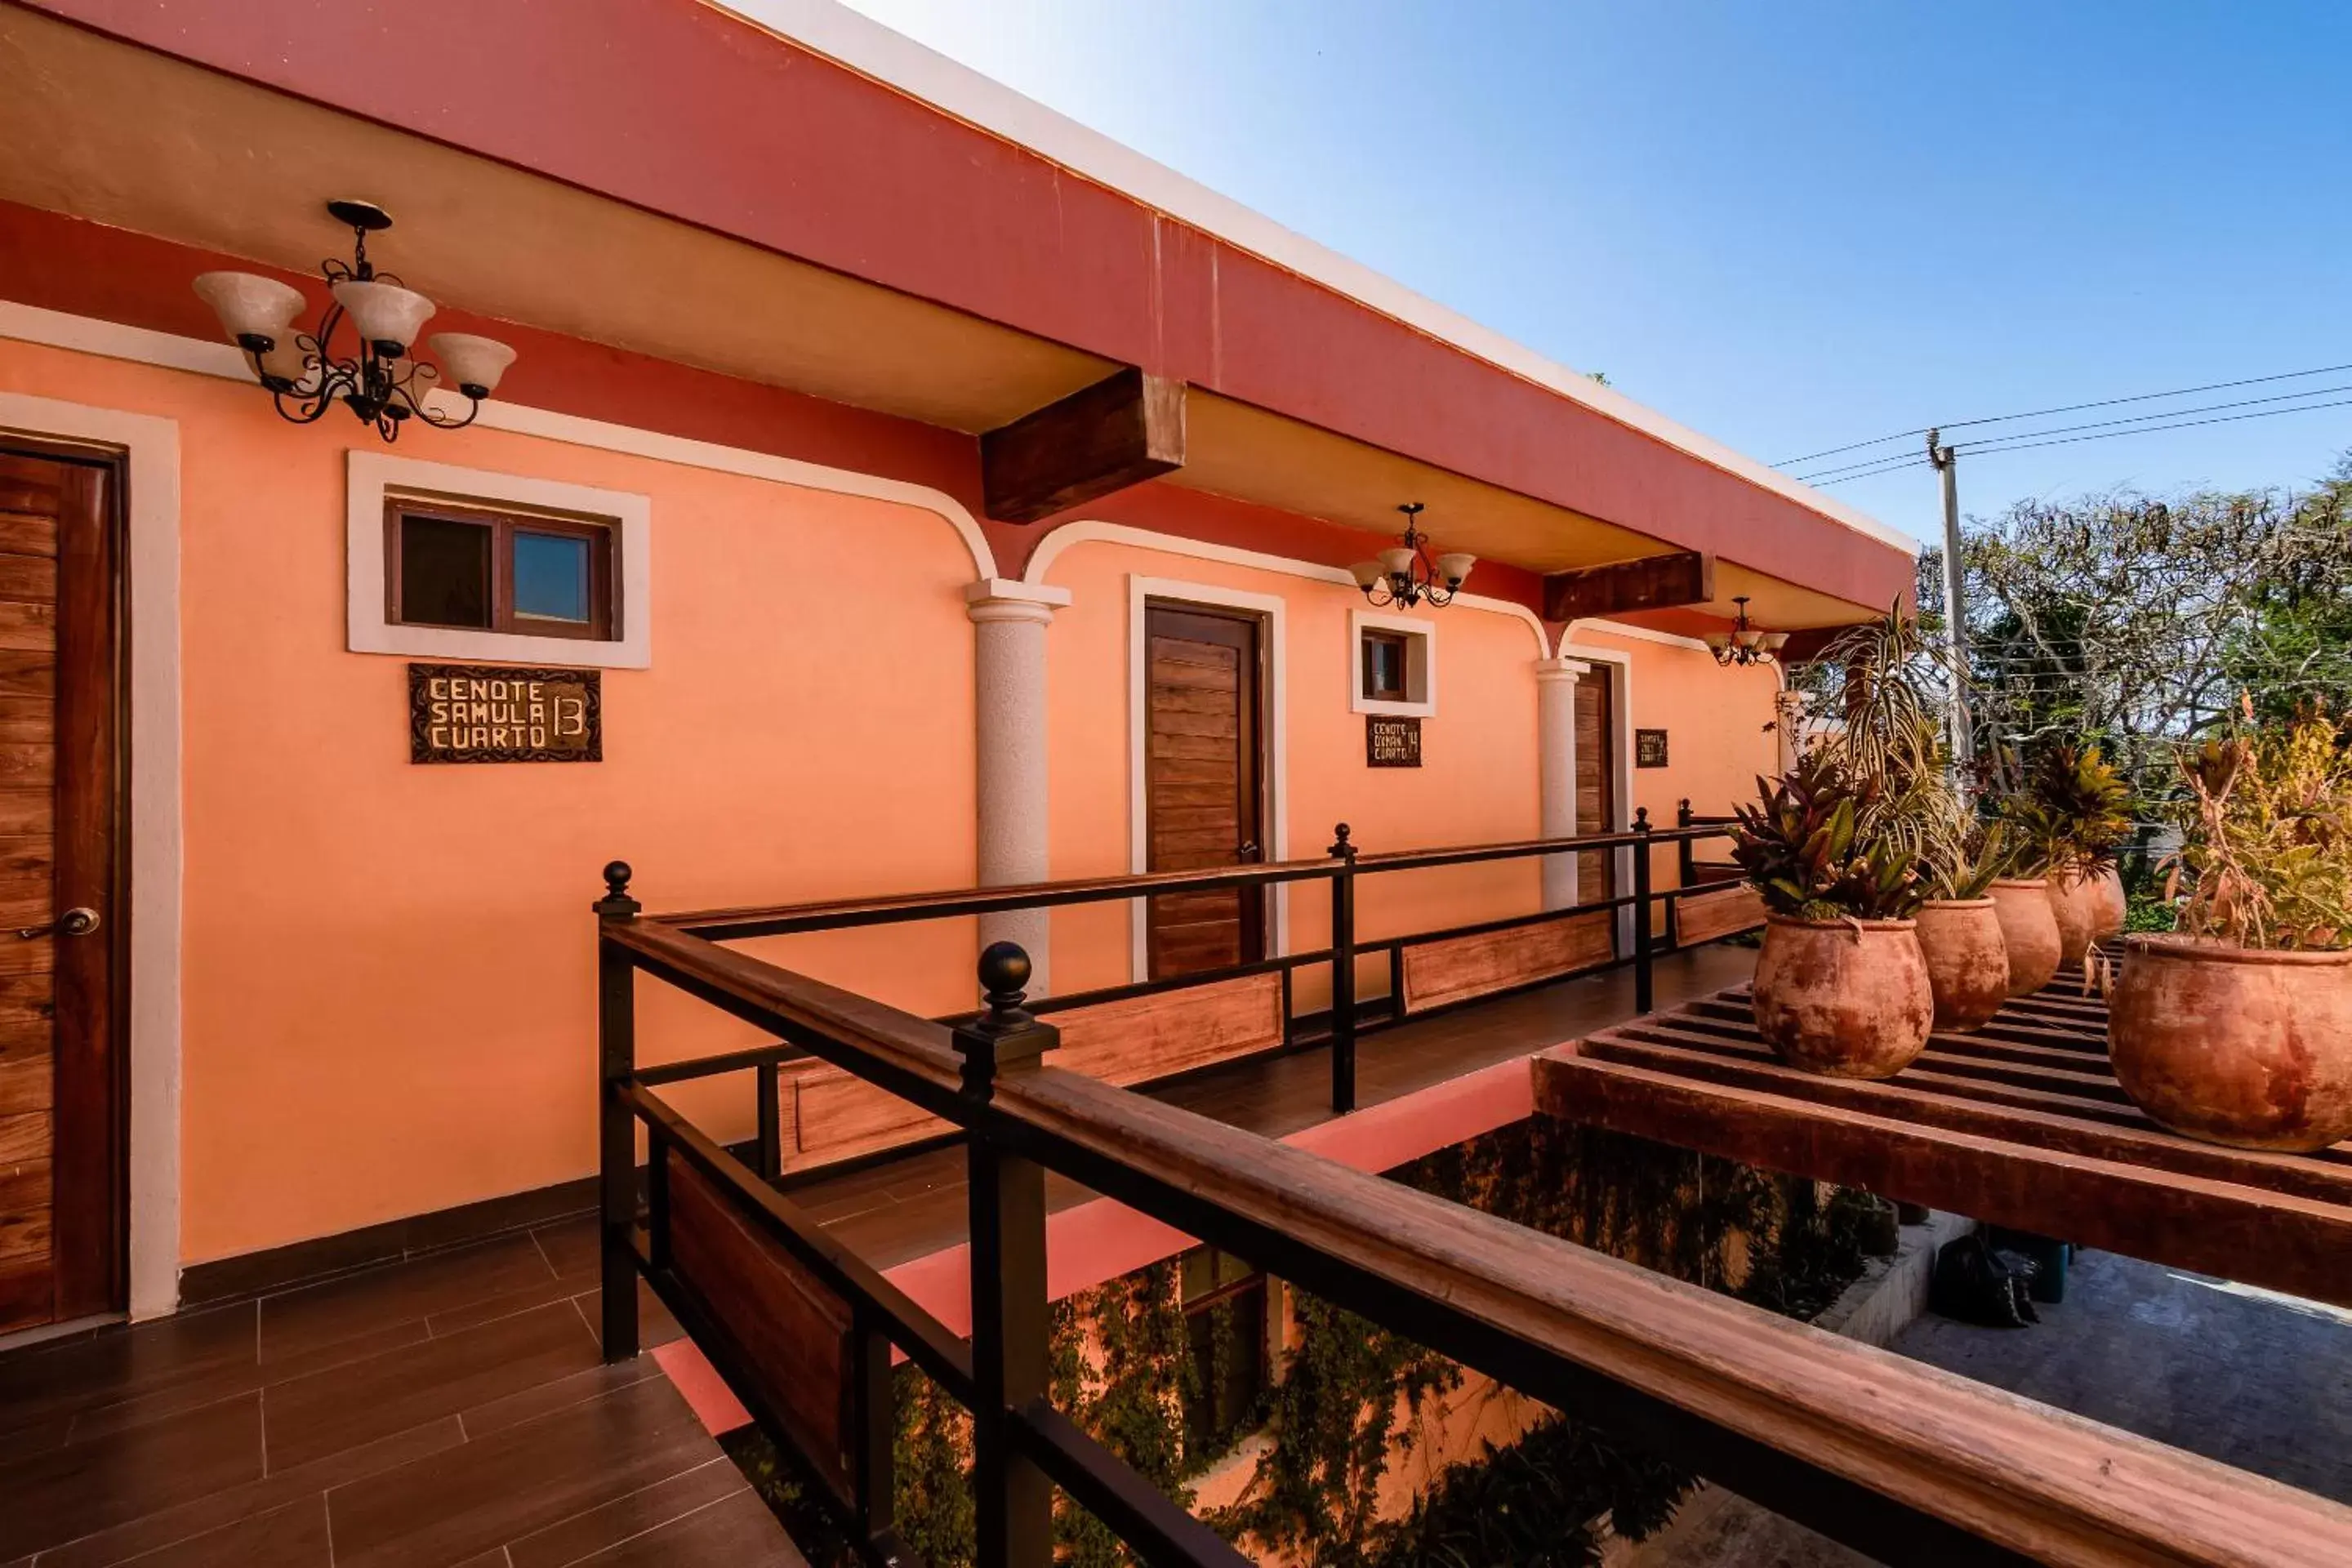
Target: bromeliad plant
{"points": [[1965, 857], [2266, 829], [1806, 849], [2073, 816]]}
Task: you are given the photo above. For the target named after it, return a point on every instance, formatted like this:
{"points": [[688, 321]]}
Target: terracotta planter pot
{"points": [[1968, 962], [2029, 931], [1850, 999], [2233, 1045], [2074, 904], [2108, 903]]}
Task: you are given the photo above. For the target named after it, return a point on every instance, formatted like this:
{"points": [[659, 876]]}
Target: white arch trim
{"points": [[1050, 548], [112, 340]]}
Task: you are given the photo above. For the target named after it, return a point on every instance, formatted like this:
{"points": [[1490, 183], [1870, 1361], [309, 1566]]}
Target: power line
{"points": [[2067, 408], [2170, 414], [2021, 442]]}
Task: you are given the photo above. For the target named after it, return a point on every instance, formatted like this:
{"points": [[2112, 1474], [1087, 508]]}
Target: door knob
{"points": [[77, 921], [1248, 850]]}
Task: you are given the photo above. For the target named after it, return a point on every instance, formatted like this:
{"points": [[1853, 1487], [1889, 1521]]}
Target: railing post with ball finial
{"points": [[616, 1133], [1343, 974], [1011, 1316]]}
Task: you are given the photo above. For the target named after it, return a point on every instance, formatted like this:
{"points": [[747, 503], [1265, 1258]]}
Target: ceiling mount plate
{"points": [[366, 216]]}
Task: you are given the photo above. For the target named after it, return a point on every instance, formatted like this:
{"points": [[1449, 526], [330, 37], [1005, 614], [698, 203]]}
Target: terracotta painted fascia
{"points": [[724, 116], [85, 269]]}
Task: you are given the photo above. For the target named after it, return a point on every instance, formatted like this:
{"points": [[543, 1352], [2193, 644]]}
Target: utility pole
{"points": [[1946, 464]]}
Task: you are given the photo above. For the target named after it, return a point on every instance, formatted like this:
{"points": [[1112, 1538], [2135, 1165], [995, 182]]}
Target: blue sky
{"points": [[1790, 226]]}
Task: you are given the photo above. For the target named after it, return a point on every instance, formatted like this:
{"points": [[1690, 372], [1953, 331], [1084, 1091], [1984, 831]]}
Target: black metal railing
{"points": [[1340, 868], [1898, 1460]]}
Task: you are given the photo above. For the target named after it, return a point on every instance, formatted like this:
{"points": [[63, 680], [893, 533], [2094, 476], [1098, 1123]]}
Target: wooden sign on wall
{"points": [[1390, 742], [496, 713], [1648, 748]]}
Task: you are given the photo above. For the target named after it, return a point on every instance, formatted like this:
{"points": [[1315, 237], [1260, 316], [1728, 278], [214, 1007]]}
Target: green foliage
{"points": [[1531, 1504], [1803, 851], [2073, 814], [1334, 1417], [2267, 835], [1130, 1399], [1967, 864]]}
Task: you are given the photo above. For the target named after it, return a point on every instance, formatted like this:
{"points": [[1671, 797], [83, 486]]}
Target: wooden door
{"points": [[1202, 772], [61, 1107], [1596, 783]]}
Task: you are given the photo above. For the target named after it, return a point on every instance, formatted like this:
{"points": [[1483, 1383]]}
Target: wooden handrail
{"points": [[2038, 1481], [1834, 1430]]}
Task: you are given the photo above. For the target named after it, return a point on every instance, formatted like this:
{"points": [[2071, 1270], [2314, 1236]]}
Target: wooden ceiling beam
{"points": [[1653, 583], [1124, 429]]}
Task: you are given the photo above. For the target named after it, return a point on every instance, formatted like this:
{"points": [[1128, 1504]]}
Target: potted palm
{"points": [[2237, 1026], [1891, 734], [2072, 816], [1841, 986]]}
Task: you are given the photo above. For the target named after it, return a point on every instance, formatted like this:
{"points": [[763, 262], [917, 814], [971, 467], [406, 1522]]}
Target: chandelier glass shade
{"points": [[1745, 644], [1404, 574], [381, 380]]}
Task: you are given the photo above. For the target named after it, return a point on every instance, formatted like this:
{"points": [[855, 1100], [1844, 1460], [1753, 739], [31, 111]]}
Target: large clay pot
{"points": [[1968, 962], [2234, 1045], [2074, 904], [1848, 998], [2108, 904], [2029, 931]]}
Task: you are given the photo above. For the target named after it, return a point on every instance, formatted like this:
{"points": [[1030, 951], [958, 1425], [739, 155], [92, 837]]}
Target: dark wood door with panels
{"points": [[1596, 783], [1203, 783], [62, 1107]]}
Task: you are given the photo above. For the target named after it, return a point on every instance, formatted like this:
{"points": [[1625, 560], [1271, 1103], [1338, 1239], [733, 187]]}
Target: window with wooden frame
{"points": [[474, 568], [1387, 657]]}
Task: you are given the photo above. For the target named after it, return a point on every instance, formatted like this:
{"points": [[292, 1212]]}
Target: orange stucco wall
{"points": [[386, 994], [385, 969]]}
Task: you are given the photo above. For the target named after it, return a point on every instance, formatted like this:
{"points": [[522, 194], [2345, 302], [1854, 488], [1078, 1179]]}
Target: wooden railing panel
{"points": [[830, 1116], [793, 1335], [1706, 916], [1458, 968]]}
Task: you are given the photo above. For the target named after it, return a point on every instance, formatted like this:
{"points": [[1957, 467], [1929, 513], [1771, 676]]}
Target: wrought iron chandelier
{"points": [[1404, 576], [1744, 644], [382, 382]]}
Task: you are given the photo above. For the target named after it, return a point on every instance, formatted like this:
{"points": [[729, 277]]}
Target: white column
{"points": [[1009, 621], [1555, 770]]}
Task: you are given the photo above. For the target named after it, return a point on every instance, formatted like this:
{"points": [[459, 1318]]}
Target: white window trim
{"points": [[1141, 593], [1420, 665], [373, 474]]}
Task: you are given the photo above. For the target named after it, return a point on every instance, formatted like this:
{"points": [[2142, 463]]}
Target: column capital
{"points": [[1560, 668], [1003, 599]]}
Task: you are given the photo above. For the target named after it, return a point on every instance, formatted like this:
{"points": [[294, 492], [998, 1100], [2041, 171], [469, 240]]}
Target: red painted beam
{"points": [[682, 110]]}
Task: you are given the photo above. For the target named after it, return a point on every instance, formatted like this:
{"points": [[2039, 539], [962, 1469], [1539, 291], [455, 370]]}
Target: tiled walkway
{"points": [[448, 1410], [451, 1410]]}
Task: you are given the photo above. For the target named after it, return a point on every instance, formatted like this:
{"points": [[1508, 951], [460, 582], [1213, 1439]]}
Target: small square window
{"points": [[1387, 660], [476, 569]]}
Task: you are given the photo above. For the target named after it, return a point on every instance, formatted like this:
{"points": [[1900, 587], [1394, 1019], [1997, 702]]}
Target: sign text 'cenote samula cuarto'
{"points": [[495, 713]]}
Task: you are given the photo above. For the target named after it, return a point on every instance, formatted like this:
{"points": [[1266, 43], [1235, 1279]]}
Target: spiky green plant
{"points": [[1805, 851], [1963, 861], [2074, 814], [2266, 828]]}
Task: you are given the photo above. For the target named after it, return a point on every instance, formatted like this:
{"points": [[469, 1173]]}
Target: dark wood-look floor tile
{"points": [[313, 1416], [624, 1519], [656, 1326], [356, 1305], [53, 1497], [294, 1536], [227, 1382], [548, 1397], [735, 1532], [518, 1481], [41, 1382], [277, 1490], [573, 1247]]}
